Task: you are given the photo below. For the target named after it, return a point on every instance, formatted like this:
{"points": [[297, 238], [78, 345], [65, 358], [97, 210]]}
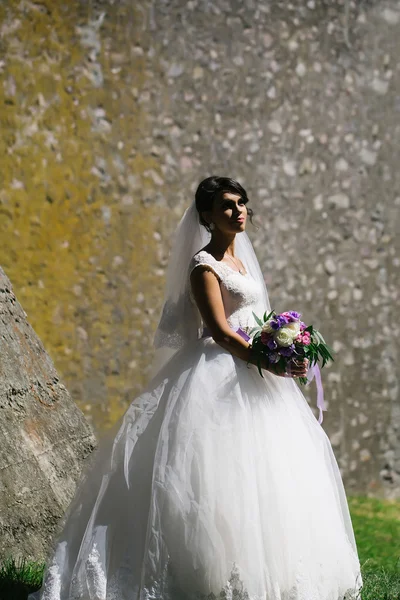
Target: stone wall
{"points": [[111, 115]]}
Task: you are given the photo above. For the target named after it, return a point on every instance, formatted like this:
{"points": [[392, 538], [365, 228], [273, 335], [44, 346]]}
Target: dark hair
{"points": [[213, 187]]}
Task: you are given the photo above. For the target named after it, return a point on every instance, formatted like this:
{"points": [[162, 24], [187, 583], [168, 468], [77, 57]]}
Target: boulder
{"points": [[45, 438]]}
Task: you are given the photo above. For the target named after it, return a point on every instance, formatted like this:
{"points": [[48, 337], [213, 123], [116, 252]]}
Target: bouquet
{"points": [[284, 338]]}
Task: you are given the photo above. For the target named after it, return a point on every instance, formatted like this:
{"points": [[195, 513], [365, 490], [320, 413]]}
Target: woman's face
{"points": [[229, 213]]}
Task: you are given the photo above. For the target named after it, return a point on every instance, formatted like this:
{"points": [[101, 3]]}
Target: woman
{"points": [[219, 483]]}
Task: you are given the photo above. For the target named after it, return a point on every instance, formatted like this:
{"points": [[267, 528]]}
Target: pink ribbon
{"points": [[311, 373]]}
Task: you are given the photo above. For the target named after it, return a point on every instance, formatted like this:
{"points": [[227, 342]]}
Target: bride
{"points": [[216, 483]]}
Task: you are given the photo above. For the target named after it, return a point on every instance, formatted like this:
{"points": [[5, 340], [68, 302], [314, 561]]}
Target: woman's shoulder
{"points": [[203, 255], [205, 259]]}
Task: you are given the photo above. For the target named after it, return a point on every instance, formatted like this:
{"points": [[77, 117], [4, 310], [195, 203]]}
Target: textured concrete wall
{"points": [[112, 116], [73, 214], [44, 436]]}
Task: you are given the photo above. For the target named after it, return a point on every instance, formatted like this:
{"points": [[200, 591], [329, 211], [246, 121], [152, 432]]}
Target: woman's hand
{"points": [[298, 368]]}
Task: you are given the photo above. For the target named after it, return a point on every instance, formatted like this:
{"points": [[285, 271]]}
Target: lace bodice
{"points": [[241, 294]]}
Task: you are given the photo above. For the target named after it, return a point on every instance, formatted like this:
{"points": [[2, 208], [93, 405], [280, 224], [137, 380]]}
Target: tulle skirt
{"points": [[217, 484]]}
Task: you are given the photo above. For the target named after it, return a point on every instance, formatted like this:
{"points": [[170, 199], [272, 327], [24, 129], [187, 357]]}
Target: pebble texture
{"points": [[113, 113], [44, 436]]}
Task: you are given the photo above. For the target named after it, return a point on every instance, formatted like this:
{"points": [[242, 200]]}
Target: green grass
{"points": [[376, 527], [380, 585], [19, 577]]}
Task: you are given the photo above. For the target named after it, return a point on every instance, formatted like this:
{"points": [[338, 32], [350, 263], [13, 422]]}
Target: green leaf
{"points": [[258, 321], [322, 351], [321, 337], [254, 330], [330, 352], [327, 354]]}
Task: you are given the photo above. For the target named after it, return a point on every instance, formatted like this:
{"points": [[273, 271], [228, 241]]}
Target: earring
{"points": [[212, 226]]}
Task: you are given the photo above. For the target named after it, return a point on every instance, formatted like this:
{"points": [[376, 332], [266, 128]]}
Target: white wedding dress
{"points": [[219, 484]]}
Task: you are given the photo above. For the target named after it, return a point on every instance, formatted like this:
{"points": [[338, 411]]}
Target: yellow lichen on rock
{"points": [[68, 241]]}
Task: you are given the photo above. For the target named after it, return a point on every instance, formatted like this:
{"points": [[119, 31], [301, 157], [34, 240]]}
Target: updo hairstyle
{"points": [[212, 188]]}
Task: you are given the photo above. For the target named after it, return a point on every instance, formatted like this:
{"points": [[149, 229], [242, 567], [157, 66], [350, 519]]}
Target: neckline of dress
{"points": [[220, 262]]}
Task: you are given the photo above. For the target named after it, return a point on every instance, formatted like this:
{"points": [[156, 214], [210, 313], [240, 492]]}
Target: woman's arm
{"points": [[207, 294]]}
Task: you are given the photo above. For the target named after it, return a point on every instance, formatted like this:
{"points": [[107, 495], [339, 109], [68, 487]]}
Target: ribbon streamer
{"points": [[242, 334], [312, 372]]}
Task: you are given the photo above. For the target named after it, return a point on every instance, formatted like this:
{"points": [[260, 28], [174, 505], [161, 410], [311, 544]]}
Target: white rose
{"points": [[284, 336], [294, 327], [267, 327]]}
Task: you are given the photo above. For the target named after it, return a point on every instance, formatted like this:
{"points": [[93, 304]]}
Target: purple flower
{"points": [[265, 337], [273, 357], [296, 315], [287, 351], [278, 322], [290, 316], [271, 343]]}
